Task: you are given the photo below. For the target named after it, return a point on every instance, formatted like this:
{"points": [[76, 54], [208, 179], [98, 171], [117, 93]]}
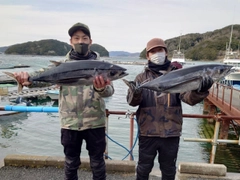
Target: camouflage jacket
{"points": [[160, 116], [81, 107]]}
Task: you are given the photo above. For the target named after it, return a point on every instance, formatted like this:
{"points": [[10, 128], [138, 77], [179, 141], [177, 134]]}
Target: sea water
{"points": [[39, 133]]}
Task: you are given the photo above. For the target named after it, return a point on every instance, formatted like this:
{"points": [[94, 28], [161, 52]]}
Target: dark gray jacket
{"points": [[160, 116]]}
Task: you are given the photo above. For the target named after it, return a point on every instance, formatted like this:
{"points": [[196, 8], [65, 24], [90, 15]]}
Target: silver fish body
{"points": [[186, 79], [80, 72]]}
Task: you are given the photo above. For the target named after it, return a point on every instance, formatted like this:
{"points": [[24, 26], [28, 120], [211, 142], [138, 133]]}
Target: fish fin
{"points": [[145, 81], [56, 63], [11, 75]]}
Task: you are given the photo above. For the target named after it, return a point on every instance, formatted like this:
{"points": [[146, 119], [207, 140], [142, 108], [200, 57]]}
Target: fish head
{"points": [[219, 72], [115, 72]]}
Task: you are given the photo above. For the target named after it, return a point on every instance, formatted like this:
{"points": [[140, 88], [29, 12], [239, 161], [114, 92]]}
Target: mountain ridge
{"points": [[196, 46]]}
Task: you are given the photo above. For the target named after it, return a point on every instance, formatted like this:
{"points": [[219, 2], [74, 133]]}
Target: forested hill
{"points": [[48, 47], [207, 46]]}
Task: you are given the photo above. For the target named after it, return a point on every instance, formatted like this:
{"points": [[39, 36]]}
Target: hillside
{"points": [[207, 46], [48, 47]]}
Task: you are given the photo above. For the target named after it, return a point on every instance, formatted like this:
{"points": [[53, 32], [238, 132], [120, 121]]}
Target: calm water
{"points": [[39, 133]]}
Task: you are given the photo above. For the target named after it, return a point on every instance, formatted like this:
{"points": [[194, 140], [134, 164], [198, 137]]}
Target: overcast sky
{"points": [[118, 25]]}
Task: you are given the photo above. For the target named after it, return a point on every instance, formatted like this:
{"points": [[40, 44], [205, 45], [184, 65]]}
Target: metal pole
{"points": [[214, 143], [131, 134], [231, 97], [210, 140], [106, 131]]}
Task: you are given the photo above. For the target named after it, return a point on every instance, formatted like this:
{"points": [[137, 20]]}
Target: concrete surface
{"points": [[27, 167], [202, 169], [42, 161], [52, 173]]}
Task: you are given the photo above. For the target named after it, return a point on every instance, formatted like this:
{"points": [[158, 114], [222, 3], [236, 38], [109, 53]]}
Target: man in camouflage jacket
{"points": [[82, 109], [160, 117]]}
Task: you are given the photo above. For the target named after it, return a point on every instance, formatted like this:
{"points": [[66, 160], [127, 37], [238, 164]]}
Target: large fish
{"points": [[74, 73], [185, 79]]}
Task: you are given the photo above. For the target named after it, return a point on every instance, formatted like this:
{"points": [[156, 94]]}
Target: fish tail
{"points": [[129, 83], [11, 75]]}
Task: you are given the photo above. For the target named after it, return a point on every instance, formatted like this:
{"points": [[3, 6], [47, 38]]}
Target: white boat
{"points": [[178, 55], [232, 58], [53, 94]]}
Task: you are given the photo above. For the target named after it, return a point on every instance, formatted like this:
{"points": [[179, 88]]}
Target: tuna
{"points": [[185, 79], [73, 73]]}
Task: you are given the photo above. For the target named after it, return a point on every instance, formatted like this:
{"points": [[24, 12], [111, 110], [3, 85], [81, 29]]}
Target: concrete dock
{"points": [[28, 167]]}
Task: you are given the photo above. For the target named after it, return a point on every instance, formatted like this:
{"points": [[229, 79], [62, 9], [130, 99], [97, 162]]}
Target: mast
{"points": [[179, 43], [230, 41]]}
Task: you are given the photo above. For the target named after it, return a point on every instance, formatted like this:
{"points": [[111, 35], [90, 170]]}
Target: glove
{"points": [[176, 65], [206, 84], [133, 87]]}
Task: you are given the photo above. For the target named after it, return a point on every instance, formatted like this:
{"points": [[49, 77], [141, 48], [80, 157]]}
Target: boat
{"points": [[232, 58], [53, 94], [178, 55]]}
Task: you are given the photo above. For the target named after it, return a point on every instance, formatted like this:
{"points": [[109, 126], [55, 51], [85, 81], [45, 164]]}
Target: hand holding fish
{"points": [[206, 84], [99, 83], [22, 78]]}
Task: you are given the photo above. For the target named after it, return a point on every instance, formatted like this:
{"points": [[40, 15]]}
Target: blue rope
{"points": [[129, 151]]}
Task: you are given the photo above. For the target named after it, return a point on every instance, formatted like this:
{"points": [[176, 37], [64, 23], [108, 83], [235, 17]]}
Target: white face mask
{"points": [[158, 58]]}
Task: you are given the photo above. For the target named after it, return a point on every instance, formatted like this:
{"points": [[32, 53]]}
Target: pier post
{"points": [[206, 104], [224, 130], [212, 111], [209, 108]]}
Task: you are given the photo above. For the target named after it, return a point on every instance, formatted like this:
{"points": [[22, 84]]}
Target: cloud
{"points": [[117, 25]]}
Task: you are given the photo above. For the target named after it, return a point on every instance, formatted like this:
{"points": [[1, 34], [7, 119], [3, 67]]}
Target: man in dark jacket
{"points": [[160, 118]]}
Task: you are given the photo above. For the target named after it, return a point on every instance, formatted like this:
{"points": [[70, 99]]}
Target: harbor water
{"points": [[39, 133]]}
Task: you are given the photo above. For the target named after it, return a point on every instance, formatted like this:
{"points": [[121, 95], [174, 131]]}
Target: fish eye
{"points": [[112, 73], [220, 71]]}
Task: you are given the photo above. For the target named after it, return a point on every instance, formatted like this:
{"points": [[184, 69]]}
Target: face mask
{"points": [[81, 48], [158, 58]]}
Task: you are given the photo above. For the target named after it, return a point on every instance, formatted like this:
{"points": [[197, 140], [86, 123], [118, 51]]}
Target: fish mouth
{"points": [[123, 74]]}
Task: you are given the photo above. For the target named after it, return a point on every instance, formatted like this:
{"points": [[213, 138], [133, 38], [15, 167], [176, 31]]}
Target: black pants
{"points": [[95, 144], [167, 149]]}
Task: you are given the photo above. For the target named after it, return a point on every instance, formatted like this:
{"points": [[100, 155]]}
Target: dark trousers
{"points": [[95, 144], [167, 149]]}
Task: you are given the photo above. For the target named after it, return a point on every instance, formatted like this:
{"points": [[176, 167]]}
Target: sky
{"points": [[117, 25]]}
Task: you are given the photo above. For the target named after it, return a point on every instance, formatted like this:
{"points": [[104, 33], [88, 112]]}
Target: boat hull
{"points": [[53, 94]]}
